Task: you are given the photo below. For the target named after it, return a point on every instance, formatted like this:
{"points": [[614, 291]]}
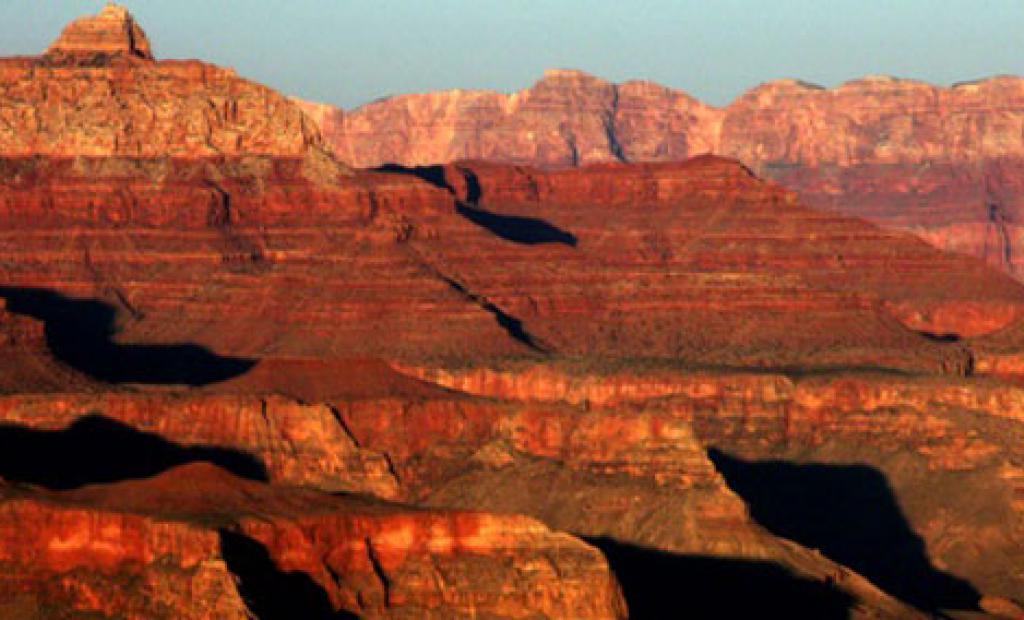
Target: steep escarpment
{"points": [[943, 163], [568, 118], [782, 122], [940, 162]]}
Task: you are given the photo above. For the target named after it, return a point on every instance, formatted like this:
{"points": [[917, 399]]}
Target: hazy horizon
{"points": [[351, 53]]}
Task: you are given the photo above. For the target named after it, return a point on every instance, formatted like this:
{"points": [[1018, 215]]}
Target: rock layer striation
{"points": [[941, 162]]}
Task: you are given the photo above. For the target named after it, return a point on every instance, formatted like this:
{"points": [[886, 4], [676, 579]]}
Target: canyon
{"points": [[254, 367], [943, 163]]}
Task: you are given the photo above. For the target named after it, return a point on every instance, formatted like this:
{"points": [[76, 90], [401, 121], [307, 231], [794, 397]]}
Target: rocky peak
{"points": [[570, 77], [111, 32]]}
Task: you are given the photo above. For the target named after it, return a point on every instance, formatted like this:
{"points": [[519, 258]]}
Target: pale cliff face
{"points": [[570, 118], [876, 120]]}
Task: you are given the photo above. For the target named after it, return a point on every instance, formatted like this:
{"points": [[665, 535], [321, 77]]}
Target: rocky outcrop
{"points": [[112, 32], [59, 104], [641, 479], [940, 162], [196, 542]]}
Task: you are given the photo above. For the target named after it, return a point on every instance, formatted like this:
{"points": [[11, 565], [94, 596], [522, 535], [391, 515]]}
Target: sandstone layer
{"points": [[703, 263]]}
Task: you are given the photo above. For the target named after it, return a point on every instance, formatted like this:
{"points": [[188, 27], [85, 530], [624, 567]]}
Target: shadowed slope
{"points": [[658, 584], [525, 230], [850, 514], [79, 332], [95, 450], [269, 592]]}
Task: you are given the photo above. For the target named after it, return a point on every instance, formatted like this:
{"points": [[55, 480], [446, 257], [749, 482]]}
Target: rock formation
{"points": [[240, 378], [602, 475], [949, 449], [940, 162], [190, 193], [196, 542], [112, 33], [190, 251], [58, 104]]}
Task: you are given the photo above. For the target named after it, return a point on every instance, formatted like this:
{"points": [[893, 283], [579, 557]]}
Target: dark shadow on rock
{"points": [[79, 332], [941, 337], [474, 192], [95, 450], [848, 512], [658, 584], [435, 175], [269, 592], [525, 230], [513, 327]]}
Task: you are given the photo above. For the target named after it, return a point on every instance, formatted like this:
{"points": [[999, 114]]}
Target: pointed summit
{"points": [[112, 32]]}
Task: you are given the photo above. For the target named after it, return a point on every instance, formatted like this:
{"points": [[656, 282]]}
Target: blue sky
{"points": [[348, 52]]}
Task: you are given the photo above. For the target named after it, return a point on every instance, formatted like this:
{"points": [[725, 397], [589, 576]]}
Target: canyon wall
{"points": [[944, 163]]}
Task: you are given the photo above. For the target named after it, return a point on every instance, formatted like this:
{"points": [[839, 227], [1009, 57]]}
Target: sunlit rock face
{"points": [[59, 104], [944, 163], [568, 118]]}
